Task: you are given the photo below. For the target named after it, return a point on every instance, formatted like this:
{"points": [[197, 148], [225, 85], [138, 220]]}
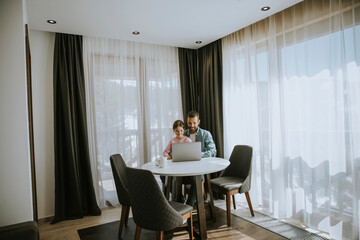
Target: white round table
{"points": [[188, 168], [195, 169]]}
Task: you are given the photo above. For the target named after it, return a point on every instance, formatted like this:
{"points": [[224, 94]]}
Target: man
{"points": [[196, 134], [208, 148]]}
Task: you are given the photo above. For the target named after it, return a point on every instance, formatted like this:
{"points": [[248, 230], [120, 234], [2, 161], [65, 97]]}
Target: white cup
{"points": [[163, 162]]}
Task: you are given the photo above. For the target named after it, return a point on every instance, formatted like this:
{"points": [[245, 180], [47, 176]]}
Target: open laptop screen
{"points": [[186, 151]]}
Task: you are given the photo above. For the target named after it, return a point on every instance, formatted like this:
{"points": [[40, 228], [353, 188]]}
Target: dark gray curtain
{"points": [[201, 88], [189, 80], [210, 78], [74, 191]]}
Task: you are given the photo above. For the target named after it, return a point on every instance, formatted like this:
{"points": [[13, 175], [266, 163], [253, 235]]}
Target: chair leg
{"points": [[185, 192], [168, 185], [159, 235], [124, 210], [190, 227], [228, 208], [211, 202], [137, 232], [234, 203], [249, 203], [203, 189], [127, 215], [179, 192]]}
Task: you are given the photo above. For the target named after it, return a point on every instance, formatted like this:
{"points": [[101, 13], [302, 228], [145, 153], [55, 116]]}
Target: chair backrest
{"points": [[240, 162], [118, 168], [150, 208]]}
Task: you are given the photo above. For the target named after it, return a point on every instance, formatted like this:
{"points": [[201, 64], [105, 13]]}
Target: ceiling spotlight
{"points": [[198, 42], [136, 33], [51, 21], [265, 9]]}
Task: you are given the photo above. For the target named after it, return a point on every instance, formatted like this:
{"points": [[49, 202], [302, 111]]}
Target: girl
{"points": [[178, 128]]}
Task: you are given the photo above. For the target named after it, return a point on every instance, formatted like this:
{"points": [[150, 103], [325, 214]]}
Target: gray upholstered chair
{"points": [[236, 178], [118, 167], [150, 208]]}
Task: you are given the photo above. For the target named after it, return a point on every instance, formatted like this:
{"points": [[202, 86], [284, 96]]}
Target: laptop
{"points": [[186, 151]]}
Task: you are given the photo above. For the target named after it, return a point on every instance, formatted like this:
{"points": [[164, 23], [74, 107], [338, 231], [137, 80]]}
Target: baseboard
{"points": [[46, 219]]}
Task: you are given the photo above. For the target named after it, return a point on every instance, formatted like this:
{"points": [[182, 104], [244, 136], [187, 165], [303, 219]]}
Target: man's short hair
{"points": [[193, 114]]}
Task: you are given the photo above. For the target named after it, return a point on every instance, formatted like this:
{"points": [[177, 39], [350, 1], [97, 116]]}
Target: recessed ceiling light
{"points": [[51, 21], [198, 42], [265, 8], [136, 33]]}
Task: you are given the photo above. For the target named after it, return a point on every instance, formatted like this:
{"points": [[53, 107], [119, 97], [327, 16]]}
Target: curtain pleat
{"points": [[211, 106], [74, 191], [189, 80]]}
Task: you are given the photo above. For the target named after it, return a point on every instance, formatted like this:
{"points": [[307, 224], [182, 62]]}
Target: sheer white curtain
{"points": [[292, 91], [133, 98]]}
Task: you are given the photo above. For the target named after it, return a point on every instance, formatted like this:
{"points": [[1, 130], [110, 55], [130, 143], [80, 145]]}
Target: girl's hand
{"points": [[169, 157]]}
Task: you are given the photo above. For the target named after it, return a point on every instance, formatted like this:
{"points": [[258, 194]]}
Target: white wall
{"points": [[15, 184], [42, 51]]}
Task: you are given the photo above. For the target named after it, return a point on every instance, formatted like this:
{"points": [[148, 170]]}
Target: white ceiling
{"points": [[178, 23]]}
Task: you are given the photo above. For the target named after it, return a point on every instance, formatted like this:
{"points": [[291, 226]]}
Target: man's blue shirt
{"points": [[208, 148]]}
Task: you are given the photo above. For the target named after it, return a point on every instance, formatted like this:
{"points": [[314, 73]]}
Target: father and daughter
{"points": [[193, 134]]}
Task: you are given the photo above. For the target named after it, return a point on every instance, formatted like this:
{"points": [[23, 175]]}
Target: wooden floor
{"points": [[240, 229]]}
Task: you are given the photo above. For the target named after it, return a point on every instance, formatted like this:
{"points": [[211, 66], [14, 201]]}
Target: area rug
{"points": [[272, 224], [109, 231]]}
